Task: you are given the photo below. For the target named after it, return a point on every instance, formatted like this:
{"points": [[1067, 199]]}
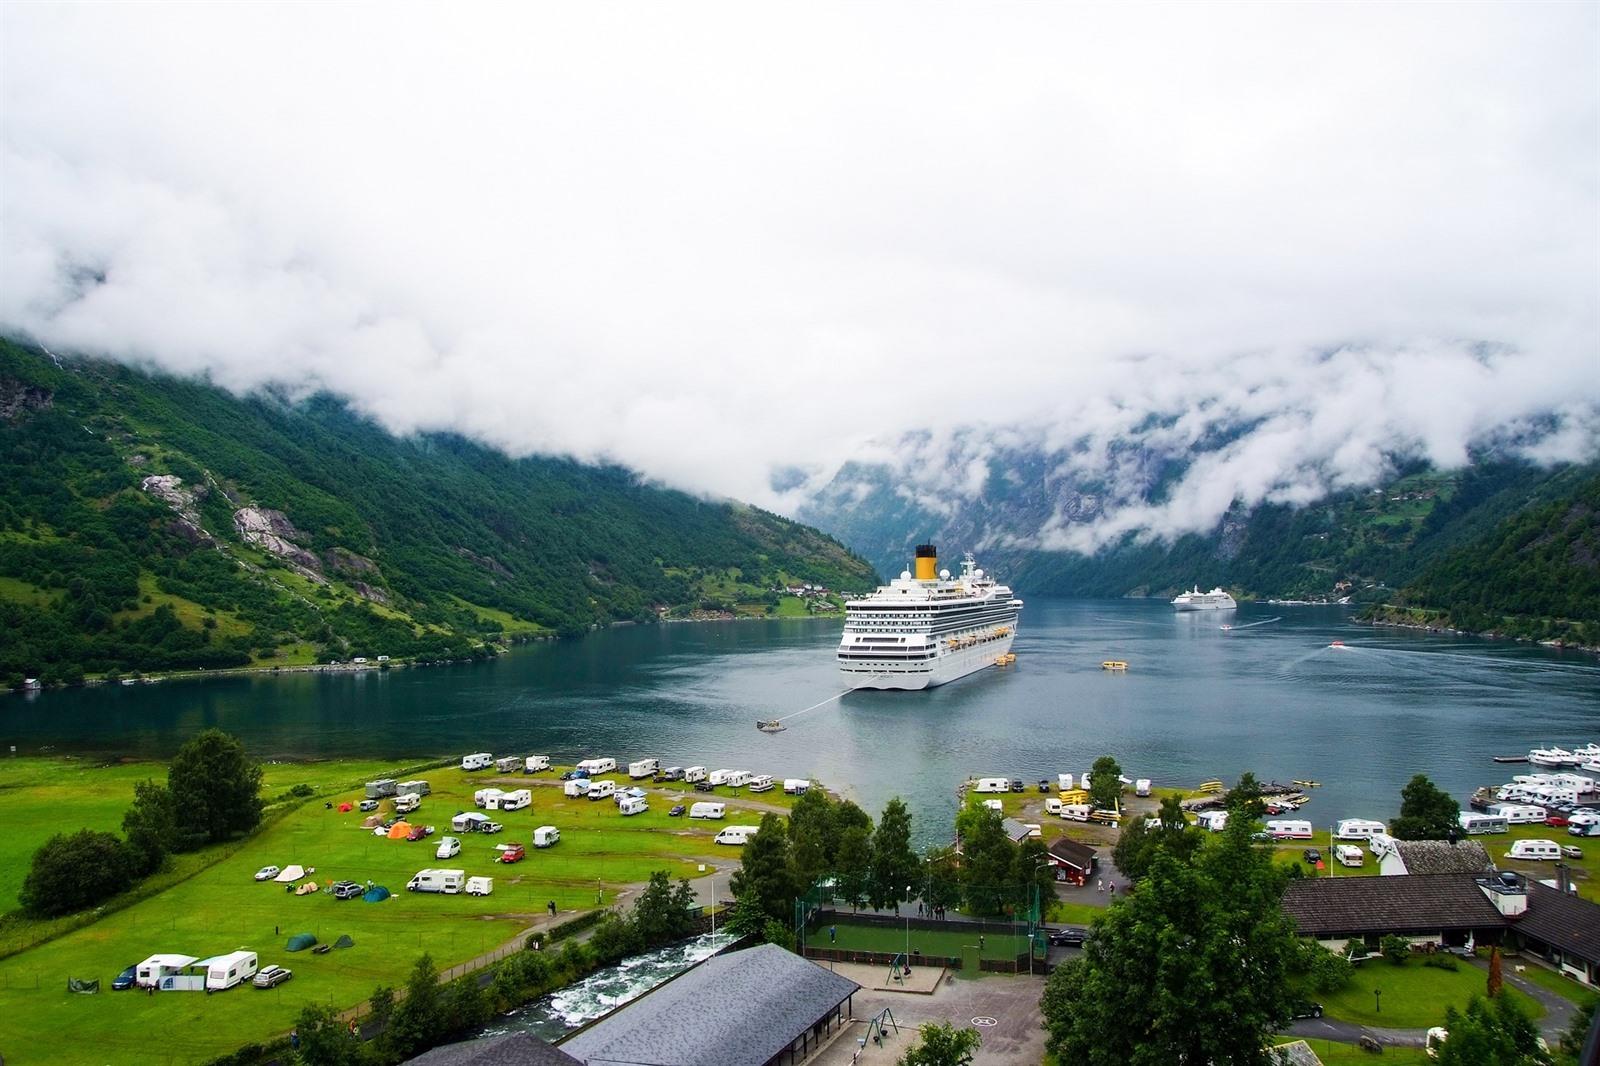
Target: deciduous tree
{"points": [[325, 1040], [1426, 812], [812, 838], [149, 826], [1105, 783], [1491, 1033], [764, 870], [69, 873], [941, 1044], [216, 789]]}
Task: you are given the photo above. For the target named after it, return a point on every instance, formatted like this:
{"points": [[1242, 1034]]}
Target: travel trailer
{"points": [[720, 777], [707, 810], [737, 834], [446, 881], [1141, 787], [1476, 824], [152, 970], [480, 886], [1518, 813], [602, 765], [1535, 850], [633, 805], [487, 798], [1349, 855], [508, 765], [1212, 821], [1289, 829], [578, 786], [546, 836], [761, 783], [470, 822], [739, 778], [992, 784], [381, 788], [481, 761], [1076, 812], [419, 787], [1052, 806], [535, 764], [796, 786], [644, 768], [1358, 829], [1064, 782], [693, 774], [225, 971]]}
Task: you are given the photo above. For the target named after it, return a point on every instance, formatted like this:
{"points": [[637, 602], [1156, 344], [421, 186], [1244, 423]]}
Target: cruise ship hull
{"points": [[941, 670], [1205, 606]]}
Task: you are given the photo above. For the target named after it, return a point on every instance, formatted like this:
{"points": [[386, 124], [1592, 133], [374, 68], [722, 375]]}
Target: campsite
{"points": [[210, 904]]}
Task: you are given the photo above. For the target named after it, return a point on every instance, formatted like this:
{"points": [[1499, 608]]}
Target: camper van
{"points": [[992, 784], [1289, 829], [515, 801], [535, 764], [1535, 850], [1476, 824], [225, 971], [1358, 829], [1349, 855], [737, 834], [739, 778], [508, 765], [419, 787], [707, 810], [599, 790], [761, 783], [796, 786], [578, 786], [487, 798], [407, 803], [644, 768], [1141, 787], [602, 765], [546, 836], [446, 881], [633, 805], [1076, 812], [693, 774], [1518, 813], [381, 788], [481, 761], [480, 886]]}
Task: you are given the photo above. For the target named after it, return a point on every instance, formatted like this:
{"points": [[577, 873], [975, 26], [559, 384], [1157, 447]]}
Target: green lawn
{"points": [[220, 908], [956, 941], [1414, 996], [1548, 979], [1334, 1053]]}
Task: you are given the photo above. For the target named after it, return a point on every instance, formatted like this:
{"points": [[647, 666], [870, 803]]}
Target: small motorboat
{"points": [[1225, 628], [1337, 645], [770, 725], [1114, 664]]}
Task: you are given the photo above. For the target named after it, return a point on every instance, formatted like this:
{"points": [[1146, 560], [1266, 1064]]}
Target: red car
{"points": [[1557, 820], [514, 853]]}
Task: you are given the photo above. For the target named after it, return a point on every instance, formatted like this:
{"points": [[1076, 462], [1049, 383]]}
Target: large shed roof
{"points": [[1563, 921], [509, 1049], [740, 1009], [1338, 905]]}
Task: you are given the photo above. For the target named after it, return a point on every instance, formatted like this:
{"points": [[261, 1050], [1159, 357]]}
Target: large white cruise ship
{"points": [[924, 630], [1215, 600]]}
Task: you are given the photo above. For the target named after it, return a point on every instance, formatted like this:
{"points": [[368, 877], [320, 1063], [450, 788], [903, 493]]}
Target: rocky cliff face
{"points": [[272, 532]]}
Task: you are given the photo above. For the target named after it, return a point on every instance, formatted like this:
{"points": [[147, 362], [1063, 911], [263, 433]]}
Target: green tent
{"points": [[301, 941], [86, 987], [344, 942]]}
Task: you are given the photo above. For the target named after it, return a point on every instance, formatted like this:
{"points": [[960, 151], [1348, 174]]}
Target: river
{"points": [[1197, 702]]}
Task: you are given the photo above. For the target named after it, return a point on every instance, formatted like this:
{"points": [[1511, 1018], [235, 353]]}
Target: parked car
{"points": [[513, 853], [1070, 935], [267, 873], [676, 811], [1312, 856], [125, 980], [1556, 820], [1571, 851], [703, 786], [271, 976], [368, 805], [1017, 785], [491, 827], [1044, 784], [1305, 1009], [347, 890], [449, 848], [417, 832]]}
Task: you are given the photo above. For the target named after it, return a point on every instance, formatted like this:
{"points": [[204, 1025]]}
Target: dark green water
{"points": [[1196, 703]]}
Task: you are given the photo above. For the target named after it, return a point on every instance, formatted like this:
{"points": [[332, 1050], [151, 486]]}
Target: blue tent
{"points": [[376, 894]]}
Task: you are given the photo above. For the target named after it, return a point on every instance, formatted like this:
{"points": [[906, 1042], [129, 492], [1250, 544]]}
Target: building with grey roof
{"points": [[511, 1049], [1564, 929], [758, 1007], [1015, 830], [1430, 856]]}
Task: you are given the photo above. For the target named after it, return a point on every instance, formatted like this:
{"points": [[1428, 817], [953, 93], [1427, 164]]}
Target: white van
{"points": [[693, 774], [992, 784], [535, 764], [481, 761], [515, 801], [1518, 813], [480, 886], [1475, 824], [1076, 812], [1052, 806], [407, 803], [546, 836], [707, 810], [599, 790], [720, 777], [1289, 829], [737, 834], [602, 765], [761, 783], [1535, 850], [796, 786], [1349, 855], [1358, 829], [1064, 782], [225, 971], [644, 768], [1141, 787], [449, 848], [488, 798], [447, 881], [634, 805], [578, 786], [740, 778], [1212, 821]]}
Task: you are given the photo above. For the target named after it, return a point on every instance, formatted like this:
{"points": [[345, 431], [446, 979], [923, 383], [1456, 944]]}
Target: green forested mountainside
{"points": [[1536, 574], [153, 523], [1376, 540]]}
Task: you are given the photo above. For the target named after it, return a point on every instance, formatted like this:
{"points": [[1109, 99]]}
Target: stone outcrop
{"points": [[184, 501], [18, 398], [272, 532]]}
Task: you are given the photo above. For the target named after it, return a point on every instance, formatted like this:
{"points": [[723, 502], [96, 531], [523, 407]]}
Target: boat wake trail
{"points": [[824, 703], [1252, 625]]}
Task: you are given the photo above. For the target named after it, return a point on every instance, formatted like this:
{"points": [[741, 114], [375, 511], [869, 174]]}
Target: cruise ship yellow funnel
{"points": [[927, 563]]}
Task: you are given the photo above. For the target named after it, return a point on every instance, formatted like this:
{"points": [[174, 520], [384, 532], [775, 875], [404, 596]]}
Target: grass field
{"points": [[1334, 1053], [958, 940], [221, 908], [1414, 996]]}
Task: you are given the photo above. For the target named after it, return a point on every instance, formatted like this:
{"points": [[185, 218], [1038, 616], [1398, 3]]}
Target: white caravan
{"points": [[1212, 821], [993, 784], [1141, 787], [1518, 813], [508, 765], [796, 786], [447, 881], [740, 778], [546, 836], [1358, 829], [152, 970], [488, 798], [406, 803], [693, 774], [720, 777], [1349, 855], [707, 810], [761, 783], [515, 801], [225, 971], [1476, 824], [470, 822], [644, 768], [578, 786], [599, 790], [1289, 829], [1536, 850], [480, 886], [481, 761], [633, 805], [602, 765]]}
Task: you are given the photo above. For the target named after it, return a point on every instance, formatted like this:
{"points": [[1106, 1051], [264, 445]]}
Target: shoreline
{"points": [[1433, 630]]}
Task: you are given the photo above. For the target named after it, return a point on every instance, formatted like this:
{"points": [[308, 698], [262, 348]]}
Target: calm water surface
{"points": [[1196, 703]]}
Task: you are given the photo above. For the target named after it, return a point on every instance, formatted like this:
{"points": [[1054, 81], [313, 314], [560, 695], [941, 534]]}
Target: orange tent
{"points": [[399, 830]]}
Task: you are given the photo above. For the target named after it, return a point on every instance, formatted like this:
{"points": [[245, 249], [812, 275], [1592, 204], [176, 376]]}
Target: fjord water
{"points": [[1197, 702]]}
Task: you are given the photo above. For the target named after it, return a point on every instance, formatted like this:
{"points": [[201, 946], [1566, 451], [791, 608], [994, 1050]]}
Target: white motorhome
{"points": [[761, 783], [644, 768], [470, 822], [515, 801], [1518, 813], [1213, 821], [447, 881], [546, 836], [152, 970], [720, 777], [419, 787], [225, 971], [693, 774], [1536, 850], [534, 764], [707, 810], [488, 798], [1289, 829], [992, 784], [1141, 787], [634, 805], [578, 786], [1349, 855], [1474, 823], [480, 886], [405, 804], [599, 790], [1358, 829], [740, 778], [508, 765], [602, 765], [796, 786], [1076, 812], [737, 834], [481, 761]]}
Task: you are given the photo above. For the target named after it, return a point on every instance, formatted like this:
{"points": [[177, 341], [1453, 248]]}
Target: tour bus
{"points": [[644, 768], [481, 761], [707, 810], [737, 834], [1289, 829], [602, 765], [1358, 829]]}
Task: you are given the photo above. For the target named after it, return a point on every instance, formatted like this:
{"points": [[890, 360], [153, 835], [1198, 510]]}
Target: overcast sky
{"points": [[713, 240]]}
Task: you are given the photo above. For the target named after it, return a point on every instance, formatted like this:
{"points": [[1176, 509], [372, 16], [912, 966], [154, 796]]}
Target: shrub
{"points": [[70, 873], [1356, 949], [1440, 962], [1328, 972], [1396, 949]]}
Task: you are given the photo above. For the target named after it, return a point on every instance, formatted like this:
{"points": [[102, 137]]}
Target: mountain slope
{"points": [[153, 523]]}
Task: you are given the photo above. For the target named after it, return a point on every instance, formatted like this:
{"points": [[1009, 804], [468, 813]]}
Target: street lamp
{"points": [[908, 928], [1377, 1001]]}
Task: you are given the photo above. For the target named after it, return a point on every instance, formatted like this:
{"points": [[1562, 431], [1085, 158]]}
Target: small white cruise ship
{"points": [[1195, 600], [927, 628]]}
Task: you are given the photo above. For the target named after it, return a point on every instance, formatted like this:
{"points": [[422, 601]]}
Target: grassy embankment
{"points": [[218, 907], [1414, 996]]}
